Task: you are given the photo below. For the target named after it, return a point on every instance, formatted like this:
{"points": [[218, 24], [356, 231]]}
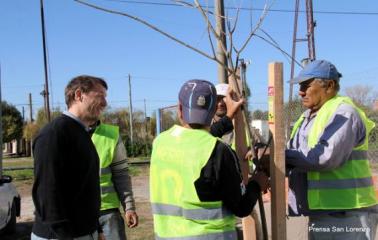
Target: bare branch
{"points": [[206, 17], [186, 4], [236, 21], [152, 27], [261, 19], [216, 35], [211, 40], [288, 58], [231, 45], [278, 47]]}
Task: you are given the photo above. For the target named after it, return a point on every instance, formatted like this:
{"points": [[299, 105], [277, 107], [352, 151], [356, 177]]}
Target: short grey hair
{"points": [[325, 82]]}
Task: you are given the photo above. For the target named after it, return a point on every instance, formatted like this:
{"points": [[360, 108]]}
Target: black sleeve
{"points": [[221, 179], [223, 126], [49, 190]]}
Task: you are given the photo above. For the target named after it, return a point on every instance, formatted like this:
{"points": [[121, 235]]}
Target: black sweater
{"points": [[66, 191], [221, 179]]}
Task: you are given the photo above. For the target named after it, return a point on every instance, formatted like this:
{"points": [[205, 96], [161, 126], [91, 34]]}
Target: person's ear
{"points": [[330, 86], [78, 95]]}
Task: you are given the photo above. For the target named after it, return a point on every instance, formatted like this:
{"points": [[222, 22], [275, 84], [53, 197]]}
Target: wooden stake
{"points": [[248, 223], [277, 156]]}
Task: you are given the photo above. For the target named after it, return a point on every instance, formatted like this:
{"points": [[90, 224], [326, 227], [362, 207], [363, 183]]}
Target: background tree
{"points": [[362, 95], [295, 107], [12, 122], [259, 115], [30, 131], [41, 119], [142, 137]]}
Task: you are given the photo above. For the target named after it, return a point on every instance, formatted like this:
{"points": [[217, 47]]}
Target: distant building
{"points": [[262, 127]]}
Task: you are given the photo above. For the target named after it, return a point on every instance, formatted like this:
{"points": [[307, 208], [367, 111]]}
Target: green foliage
{"points": [[18, 175], [139, 147], [259, 115], [143, 130], [30, 131], [42, 119], [12, 122]]}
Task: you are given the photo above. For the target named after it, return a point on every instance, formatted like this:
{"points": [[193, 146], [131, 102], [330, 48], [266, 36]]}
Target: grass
{"points": [[18, 162], [20, 175]]}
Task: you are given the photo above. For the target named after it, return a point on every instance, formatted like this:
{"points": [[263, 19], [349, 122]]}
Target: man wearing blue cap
{"points": [[196, 187], [329, 174]]}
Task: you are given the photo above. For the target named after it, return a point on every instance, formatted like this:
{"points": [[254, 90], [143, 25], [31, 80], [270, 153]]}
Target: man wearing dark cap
{"points": [[329, 174], [196, 187]]}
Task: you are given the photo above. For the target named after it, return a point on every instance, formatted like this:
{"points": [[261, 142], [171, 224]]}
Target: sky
{"points": [[82, 40]]}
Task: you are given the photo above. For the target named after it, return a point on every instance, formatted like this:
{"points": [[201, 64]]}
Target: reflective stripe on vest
{"points": [[178, 156], [106, 170], [350, 186], [105, 139], [210, 236], [195, 214]]}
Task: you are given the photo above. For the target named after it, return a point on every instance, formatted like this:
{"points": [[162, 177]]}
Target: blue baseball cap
{"points": [[198, 99], [317, 69]]}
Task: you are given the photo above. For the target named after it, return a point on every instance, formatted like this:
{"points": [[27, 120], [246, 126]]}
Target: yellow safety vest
{"points": [[177, 158], [350, 186], [105, 139]]}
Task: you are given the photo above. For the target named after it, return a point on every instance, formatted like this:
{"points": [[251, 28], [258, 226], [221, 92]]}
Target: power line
{"points": [[246, 8]]}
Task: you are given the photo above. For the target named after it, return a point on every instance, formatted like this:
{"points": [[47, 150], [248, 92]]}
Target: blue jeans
{"points": [[352, 225], [92, 236], [113, 226]]}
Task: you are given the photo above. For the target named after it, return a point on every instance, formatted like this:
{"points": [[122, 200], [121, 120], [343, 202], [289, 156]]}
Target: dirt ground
{"points": [[141, 194], [296, 227]]}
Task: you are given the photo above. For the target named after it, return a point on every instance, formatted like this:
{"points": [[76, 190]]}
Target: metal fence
{"points": [[166, 118], [373, 139]]}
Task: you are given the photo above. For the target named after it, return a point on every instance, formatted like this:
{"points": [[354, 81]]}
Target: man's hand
{"points": [[232, 105], [131, 218], [248, 156]]}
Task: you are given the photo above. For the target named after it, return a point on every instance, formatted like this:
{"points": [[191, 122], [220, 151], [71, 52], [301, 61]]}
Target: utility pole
{"points": [[23, 113], [30, 108], [145, 117], [131, 113], [310, 39], [1, 131], [145, 125], [31, 121], [221, 41], [46, 89], [310, 30]]}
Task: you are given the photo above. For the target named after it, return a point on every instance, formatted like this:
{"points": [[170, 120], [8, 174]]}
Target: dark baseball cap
{"points": [[321, 69], [198, 99]]}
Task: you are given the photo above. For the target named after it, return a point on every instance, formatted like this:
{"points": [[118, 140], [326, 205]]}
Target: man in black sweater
{"points": [[66, 191]]}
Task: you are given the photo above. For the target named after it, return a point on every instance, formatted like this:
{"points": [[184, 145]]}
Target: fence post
{"points": [[277, 153]]}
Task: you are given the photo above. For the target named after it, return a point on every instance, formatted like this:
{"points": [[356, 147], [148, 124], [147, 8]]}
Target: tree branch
{"points": [[277, 47], [152, 27], [261, 19]]}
